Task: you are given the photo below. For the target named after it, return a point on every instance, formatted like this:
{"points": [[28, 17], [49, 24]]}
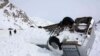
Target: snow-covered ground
{"points": [[17, 44], [23, 43]]}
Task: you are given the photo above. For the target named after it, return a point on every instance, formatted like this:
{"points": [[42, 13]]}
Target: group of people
{"points": [[14, 31]]}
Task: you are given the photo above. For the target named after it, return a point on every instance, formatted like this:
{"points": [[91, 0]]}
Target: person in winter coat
{"points": [[10, 33], [15, 31]]}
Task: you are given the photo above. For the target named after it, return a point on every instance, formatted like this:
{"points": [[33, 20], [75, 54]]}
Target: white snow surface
{"points": [[69, 36], [23, 43], [36, 36], [96, 46], [40, 21], [17, 44]]}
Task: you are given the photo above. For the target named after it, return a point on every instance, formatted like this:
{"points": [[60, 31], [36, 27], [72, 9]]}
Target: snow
{"points": [[96, 47], [23, 43], [70, 36], [9, 22], [36, 36], [40, 21], [17, 23], [16, 45]]}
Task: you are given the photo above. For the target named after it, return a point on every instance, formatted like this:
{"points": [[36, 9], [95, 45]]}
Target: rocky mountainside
{"points": [[9, 13], [13, 17]]}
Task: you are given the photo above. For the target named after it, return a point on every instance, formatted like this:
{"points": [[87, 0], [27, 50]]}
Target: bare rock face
{"points": [[3, 3]]}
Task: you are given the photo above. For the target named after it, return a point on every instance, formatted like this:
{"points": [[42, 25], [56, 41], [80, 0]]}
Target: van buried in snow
{"points": [[77, 37]]}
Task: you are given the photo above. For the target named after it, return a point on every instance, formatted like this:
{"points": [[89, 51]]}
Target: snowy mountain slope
{"points": [[9, 13], [40, 21], [13, 17]]}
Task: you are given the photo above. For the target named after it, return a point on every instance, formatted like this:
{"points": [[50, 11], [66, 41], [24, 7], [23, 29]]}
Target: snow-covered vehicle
{"points": [[77, 39], [82, 46]]}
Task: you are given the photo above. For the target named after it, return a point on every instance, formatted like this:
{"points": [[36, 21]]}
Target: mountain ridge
{"points": [[14, 17]]}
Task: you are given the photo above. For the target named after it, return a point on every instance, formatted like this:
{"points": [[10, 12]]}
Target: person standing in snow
{"points": [[15, 31], [10, 33]]}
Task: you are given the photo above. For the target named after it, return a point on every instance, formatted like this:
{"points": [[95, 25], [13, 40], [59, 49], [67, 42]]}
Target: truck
{"points": [[76, 42]]}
